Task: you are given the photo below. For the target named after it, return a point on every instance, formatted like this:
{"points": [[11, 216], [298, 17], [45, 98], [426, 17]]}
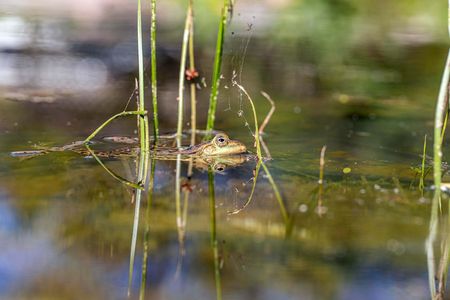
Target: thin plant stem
{"points": [[438, 122], [178, 213], [143, 133], [184, 46], [283, 210], [192, 68], [142, 171], [192, 85], [182, 75], [182, 232], [443, 263], [214, 244], [265, 122], [122, 114], [144, 145], [432, 234], [321, 171], [147, 231], [276, 191], [422, 170], [137, 206], [441, 105], [255, 118], [153, 70], [255, 178], [269, 114], [178, 191], [265, 148], [217, 67], [146, 152], [143, 120]]}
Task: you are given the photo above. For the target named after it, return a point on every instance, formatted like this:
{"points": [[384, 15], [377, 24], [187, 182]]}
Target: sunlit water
{"points": [[66, 224]]}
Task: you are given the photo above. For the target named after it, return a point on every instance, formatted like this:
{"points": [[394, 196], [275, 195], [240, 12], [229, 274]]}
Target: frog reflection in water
{"points": [[219, 153]]}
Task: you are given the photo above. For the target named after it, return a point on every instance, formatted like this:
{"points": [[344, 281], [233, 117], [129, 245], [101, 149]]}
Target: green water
{"points": [[66, 224]]}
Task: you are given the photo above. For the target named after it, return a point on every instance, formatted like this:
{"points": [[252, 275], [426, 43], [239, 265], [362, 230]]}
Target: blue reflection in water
{"points": [[385, 282], [8, 220], [23, 254]]}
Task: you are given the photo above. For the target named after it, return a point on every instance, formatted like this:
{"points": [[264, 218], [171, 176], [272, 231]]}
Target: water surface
{"points": [[66, 224]]}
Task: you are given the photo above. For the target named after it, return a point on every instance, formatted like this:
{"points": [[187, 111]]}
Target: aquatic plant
{"points": [[321, 181], [144, 139], [184, 46], [217, 66], [153, 71], [439, 277], [181, 76], [145, 249], [422, 169], [275, 189], [193, 74]]}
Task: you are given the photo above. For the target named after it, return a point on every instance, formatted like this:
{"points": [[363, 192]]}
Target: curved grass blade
{"points": [[276, 191], [122, 114], [110, 172]]}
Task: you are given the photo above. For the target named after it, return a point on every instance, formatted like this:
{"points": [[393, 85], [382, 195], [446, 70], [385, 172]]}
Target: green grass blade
{"points": [[276, 191], [144, 144], [217, 67], [122, 114]]}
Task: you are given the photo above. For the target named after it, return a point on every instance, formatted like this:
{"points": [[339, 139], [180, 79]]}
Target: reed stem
{"points": [[321, 181], [192, 68], [147, 231], [153, 70], [441, 105], [422, 170], [192, 85], [438, 123], [144, 146], [122, 114], [187, 27], [217, 67]]}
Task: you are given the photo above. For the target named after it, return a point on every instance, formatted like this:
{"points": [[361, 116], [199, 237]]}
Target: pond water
{"points": [[66, 225]]}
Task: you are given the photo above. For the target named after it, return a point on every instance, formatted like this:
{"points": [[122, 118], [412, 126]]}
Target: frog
{"points": [[220, 145]]}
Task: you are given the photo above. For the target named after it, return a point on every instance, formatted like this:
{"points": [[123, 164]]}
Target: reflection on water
{"points": [[74, 219], [66, 224]]}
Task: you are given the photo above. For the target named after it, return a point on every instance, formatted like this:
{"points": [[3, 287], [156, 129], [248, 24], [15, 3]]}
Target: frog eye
{"points": [[221, 140]]}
